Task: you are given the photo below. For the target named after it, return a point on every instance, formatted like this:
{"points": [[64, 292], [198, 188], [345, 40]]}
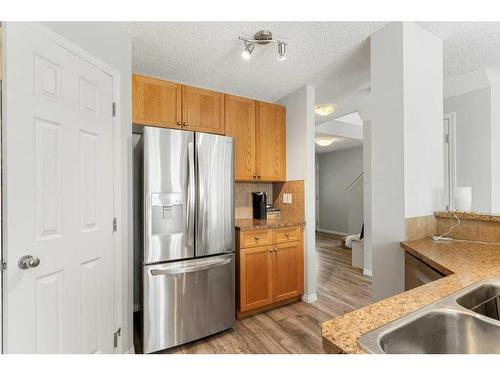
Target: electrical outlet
{"points": [[287, 198]]}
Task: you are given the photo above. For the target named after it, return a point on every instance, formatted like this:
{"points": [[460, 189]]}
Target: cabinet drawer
{"points": [[255, 238], [287, 234]]}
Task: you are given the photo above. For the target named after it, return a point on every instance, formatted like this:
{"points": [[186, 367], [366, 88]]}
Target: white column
{"points": [[300, 165], [406, 153]]}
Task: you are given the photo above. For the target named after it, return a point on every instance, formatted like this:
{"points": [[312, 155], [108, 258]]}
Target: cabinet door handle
{"points": [[275, 249], [179, 123], [184, 123], [254, 176], [257, 238], [287, 234]]}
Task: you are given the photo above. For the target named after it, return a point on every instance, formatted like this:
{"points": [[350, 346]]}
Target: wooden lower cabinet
{"points": [[268, 276], [255, 275], [288, 272]]}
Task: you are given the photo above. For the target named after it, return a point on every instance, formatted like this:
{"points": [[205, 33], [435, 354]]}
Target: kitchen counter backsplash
{"points": [[243, 197], [292, 211]]}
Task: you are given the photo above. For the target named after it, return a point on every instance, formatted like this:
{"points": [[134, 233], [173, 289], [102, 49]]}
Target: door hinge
{"points": [[117, 334], [447, 138], [4, 266], [114, 109], [115, 224]]}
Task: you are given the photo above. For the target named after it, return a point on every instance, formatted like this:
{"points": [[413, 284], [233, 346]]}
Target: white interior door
{"points": [[58, 198]]}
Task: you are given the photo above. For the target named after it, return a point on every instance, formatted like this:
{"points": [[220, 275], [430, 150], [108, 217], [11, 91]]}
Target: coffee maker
{"points": [[259, 202]]}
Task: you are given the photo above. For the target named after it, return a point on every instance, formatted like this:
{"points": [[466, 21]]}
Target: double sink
{"points": [[466, 322]]}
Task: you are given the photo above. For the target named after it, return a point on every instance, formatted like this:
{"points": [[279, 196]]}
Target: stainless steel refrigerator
{"points": [[184, 233]]}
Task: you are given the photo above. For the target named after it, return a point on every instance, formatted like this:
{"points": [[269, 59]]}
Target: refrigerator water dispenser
{"points": [[167, 213]]}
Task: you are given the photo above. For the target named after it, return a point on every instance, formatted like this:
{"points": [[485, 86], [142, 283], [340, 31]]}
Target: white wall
{"points": [[111, 44], [341, 129], [367, 198], [337, 169], [423, 121], [300, 165], [356, 207], [405, 146], [387, 156], [473, 144], [495, 141]]}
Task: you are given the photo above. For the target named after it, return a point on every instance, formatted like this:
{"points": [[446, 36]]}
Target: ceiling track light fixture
{"points": [[262, 37], [247, 52]]}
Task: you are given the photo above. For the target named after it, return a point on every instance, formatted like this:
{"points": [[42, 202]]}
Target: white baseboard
{"points": [[310, 298], [131, 350], [332, 232], [367, 272]]}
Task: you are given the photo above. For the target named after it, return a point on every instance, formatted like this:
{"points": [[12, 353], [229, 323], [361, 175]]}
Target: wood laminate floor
{"points": [[296, 328]]}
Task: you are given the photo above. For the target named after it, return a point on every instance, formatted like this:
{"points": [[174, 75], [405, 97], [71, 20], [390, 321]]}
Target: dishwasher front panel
{"points": [[418, 273], [187, 300]]}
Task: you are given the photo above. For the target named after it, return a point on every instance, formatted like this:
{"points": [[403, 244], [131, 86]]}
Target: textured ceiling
{"points": [[467, 46], [207, 54], [332, 56]]}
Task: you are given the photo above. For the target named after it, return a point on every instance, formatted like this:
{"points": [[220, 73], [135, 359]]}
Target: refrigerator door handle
{"points": [[191, 190], [195, 268]]}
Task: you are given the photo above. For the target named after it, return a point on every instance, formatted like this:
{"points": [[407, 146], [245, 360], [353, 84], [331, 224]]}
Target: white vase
{"points": [[463, 198]]}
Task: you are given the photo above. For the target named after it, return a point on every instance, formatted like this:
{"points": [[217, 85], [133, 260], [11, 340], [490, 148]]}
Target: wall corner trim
{"points": [[310, 298]]}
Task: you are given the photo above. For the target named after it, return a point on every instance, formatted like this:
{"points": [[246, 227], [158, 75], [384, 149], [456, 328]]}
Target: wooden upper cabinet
{"points": [[271, 142], [258, 129], [156, 102], [240, 124], [202, 110]]}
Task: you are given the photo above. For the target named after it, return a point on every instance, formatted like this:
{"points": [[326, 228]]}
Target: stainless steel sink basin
{"points": [[484, 300], [462, 323]]}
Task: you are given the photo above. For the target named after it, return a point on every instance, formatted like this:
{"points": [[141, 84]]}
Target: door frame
{"points": [[118, 244], [449, 159], [316, 176]]}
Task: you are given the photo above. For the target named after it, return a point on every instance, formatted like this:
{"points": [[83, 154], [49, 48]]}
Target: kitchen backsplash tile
{"points": [[243, 197], [295, 210], [420, 227]]}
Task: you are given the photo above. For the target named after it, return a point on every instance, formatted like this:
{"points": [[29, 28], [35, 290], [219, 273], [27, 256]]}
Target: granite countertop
{"points": [[254, 224], [468, 215], [465, 262]]}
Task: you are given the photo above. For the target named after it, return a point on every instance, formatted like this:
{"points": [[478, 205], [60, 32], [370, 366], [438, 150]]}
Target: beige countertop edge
{"points": [[465, 262], [468, 215], [261, 225]]}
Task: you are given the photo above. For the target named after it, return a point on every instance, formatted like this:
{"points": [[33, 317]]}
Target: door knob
{"points": [[179, 123], [184, 123], [28, 261]]}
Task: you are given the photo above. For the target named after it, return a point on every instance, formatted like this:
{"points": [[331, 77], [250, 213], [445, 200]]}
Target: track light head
{"points": [[247, 52], [281, 51]]}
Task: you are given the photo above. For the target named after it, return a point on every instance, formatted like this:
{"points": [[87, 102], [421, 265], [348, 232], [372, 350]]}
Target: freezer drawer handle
{"points": [[202, 267]]}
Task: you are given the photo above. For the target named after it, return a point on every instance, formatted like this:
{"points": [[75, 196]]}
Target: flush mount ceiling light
{"points": [[324, 109], [262, 37], [324, 141]]}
